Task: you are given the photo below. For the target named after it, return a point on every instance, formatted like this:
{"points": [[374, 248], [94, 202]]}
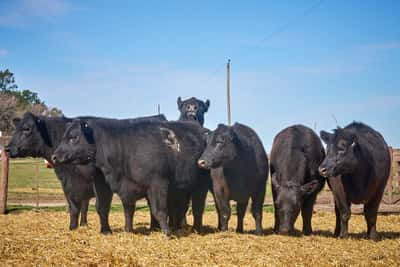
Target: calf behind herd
{"points": [[175, 163]]}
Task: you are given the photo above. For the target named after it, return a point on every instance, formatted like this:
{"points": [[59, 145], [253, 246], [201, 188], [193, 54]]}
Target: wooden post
{"points": [[228, 90], [4, 182], [389, 186], [37, 185]]}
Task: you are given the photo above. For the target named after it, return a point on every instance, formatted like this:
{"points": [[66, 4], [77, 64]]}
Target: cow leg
{"points": [[218, 212], [178, 203], [84, 211], [241, 211], [103, 203], [157, 195], [154, 226], [129, 210], [257, 202], [342, 203], [222, 202], [276, 223], [198, 203], [306, 214], [370, 214], [221, 192], [182, 211], [337, 227], [74, 210]]}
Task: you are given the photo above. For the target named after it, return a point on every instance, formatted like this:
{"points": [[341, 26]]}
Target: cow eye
{"points": [[73, 139], [26, 130], [219, 141]]}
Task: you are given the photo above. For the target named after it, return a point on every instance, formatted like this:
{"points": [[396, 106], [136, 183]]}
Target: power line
{"points": [[290, 22]]}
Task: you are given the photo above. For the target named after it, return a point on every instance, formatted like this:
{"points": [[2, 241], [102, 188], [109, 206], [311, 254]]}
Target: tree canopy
{"points": [[14, 102]]}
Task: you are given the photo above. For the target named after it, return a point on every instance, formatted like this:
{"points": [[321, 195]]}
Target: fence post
{"points": [[4, 182], [37, 185], [389, 187]]}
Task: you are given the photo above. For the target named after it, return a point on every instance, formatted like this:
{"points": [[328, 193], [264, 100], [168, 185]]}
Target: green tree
{"points": [[7, 81]]}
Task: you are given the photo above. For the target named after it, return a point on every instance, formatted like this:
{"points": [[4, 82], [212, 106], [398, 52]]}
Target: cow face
{"points": [[341, 156], [193, 109], [30, 137], [77, 145], [221, 148], [288, 200]]}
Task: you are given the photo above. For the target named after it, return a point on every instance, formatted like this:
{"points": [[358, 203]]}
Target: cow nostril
{"points": [[201, 163], [54, 159], [322, 171]]}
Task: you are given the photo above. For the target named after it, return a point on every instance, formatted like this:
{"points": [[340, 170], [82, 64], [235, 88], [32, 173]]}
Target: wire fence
{"points": [[32, 182]]}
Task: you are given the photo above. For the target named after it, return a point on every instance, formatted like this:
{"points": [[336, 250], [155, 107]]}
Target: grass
{"points": [[22, 182], [114, 208]]}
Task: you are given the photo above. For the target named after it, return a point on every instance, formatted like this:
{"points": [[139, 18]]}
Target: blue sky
{"points": [[292, 61]]}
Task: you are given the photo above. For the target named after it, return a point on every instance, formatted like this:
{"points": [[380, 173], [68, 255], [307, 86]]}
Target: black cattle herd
{"points": [[175, 163]]}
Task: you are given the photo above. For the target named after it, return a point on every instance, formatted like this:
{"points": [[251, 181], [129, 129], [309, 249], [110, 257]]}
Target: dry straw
{"points": [[42, 239]]}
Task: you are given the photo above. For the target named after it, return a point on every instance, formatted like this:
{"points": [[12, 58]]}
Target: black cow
{"points": [[193, 109], [38, 136], [296, 155], [357, 166], [144, 159], [239, 171]]}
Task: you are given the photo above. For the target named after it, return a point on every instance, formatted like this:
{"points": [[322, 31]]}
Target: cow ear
{"points": [[354, 142], [326, 137], [206, 135], [309, 188], [179, 102], [207, 105], [233, 136], [16, 121]]}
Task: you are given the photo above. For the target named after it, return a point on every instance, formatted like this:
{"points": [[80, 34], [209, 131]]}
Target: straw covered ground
{"points": [[41, 238]]}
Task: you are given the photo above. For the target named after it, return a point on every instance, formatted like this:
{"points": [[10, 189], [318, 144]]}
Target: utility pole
{"points": [[228, 90], [158, 109]]}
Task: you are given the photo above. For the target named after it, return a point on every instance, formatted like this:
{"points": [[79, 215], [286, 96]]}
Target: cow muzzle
{"points": [[202, 164], [323, 171]]}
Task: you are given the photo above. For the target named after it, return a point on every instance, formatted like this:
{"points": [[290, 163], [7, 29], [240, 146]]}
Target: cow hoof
{"points": [[83, 224], [73, 227], [344, 236], [106, 231], [374, 236], [306, 233], [259, 232], [167, 232]]}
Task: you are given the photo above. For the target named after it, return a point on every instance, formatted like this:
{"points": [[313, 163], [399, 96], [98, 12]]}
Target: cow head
{"points": [[77, 145], [342, 153], [30, 138], [193, 109], [221, 148], [288, 202], [289, 196]]}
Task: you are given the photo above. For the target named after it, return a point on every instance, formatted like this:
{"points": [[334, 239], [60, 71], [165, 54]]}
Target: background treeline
{"points": [[15, 102]]}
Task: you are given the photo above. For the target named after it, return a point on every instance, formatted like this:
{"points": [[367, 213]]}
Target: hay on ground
{"points": [[43, 238]]}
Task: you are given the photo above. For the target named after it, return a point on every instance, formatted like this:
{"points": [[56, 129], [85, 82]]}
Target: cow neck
{"points": [[363, 170], [238, 161], [52, 131], [185, 119]]}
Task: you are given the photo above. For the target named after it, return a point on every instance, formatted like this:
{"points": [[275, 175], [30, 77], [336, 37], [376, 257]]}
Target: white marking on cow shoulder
{"points": [[171, 139]]}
